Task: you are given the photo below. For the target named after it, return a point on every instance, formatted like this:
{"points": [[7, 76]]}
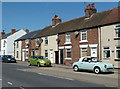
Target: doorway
{"points": [[56, 57], [61, 56]]}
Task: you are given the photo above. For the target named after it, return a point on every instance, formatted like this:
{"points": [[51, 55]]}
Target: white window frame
{"points": [[68, 58], [36, 52], [81, 50], [83, 32], [47, 53], [67, 41], [116, 52], [106, 50], [27, 43], [117, 30], [27, 54], [37, 42], [17, 44], [46, 39]]}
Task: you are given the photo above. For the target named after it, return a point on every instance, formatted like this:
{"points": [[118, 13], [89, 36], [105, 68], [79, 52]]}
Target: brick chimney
{"points": [[90, 9], [56, 20], [27, 30], [13, 31], [2, 33]]}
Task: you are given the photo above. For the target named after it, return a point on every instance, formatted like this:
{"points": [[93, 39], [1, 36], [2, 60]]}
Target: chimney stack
{"points": [[90, 9], [27, 30], [13, 31], [2, 33], [56, 20]]}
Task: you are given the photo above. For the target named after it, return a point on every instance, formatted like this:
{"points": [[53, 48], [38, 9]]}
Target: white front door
{"points": [[93, 52], [51, 55], [23, 55]]}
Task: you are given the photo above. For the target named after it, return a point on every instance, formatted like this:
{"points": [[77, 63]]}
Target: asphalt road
{"points": [[12, 77]]}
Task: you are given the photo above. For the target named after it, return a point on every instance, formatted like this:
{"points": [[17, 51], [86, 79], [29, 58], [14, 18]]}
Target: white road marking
{"points": [[0, 79], [56, 76], [10, 83]]}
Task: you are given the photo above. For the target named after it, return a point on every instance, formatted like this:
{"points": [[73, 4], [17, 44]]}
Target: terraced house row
{"points": [[95, 34]]}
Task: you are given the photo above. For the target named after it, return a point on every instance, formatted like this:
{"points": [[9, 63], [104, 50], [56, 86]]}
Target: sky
{"points": [[37, 15]]}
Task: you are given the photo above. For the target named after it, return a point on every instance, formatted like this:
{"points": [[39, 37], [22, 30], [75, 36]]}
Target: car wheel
{"points": [[75, 68], [29, 64], [97, 70], [38, 64]]}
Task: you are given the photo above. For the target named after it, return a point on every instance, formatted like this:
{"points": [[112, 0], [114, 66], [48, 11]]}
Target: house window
{"points": [[106, 52], [117, 30], [46, 53], [27, 43], [37, 42], [37, 52], [68, 53], [68, 40], [83, 52], [26, 53], [4, 43], [83, 35], [17, 44], [17, 54], [46, 40], [118, 52]]}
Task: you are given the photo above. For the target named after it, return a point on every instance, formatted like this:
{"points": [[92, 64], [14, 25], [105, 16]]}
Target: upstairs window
{"points": [[106, 52], [117, 31], [68, 39], [46, 40], [17, 54], [83, 35], [37, 42], [27, 43], [17, 44], [4, 43]]}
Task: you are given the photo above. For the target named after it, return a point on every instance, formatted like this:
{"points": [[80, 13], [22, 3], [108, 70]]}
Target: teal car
{"points": [[39, 61], [92, 64]]}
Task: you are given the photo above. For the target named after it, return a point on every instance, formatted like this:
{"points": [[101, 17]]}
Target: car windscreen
{"points": [[8, 56], [40, 57]]}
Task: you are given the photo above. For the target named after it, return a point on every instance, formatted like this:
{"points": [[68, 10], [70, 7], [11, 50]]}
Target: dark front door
{"points": [[61, 56], [56, 57]]}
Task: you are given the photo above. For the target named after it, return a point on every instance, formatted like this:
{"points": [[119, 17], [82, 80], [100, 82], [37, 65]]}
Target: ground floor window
{"points": [[17, 54], [37, 52], [68, 53], [117, 52], [106, 52], [83, 52], [26, 53], [46, 53]]}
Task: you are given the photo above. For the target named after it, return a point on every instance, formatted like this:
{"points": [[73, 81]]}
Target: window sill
{"points": [[117, 59], [68, 58], [83, 41], [107, 58], [116, 38], [67, 43]]}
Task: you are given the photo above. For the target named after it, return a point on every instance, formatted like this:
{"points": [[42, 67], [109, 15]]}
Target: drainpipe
{"points": [[100, 44]]}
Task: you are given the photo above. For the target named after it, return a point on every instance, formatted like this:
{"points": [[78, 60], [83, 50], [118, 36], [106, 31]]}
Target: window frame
{"points": [[68, 35], [46, 52], [107, 51], [117, 49], [67, 52], [82, 51], [46, 40]]}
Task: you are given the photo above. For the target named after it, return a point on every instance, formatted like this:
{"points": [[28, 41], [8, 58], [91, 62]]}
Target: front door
{"points": [[61, 56], [23, 55], [56, 57], [51, 55], [94, 52]]}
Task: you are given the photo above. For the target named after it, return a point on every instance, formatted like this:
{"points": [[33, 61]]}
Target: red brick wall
{"points": [[92, 37]]}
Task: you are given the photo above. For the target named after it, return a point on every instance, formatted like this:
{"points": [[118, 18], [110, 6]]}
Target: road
{"points": [[21, 75]]}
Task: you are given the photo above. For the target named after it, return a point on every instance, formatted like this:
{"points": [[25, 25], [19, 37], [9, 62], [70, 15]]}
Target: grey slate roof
{"points": [[5, 36], [29, 35]]}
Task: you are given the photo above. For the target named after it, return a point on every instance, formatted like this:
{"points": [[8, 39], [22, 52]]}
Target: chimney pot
{"points": [[27, 30], [13, 31]]}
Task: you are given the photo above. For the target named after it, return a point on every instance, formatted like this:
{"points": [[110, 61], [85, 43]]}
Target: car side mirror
{"points": [[89, 61]]}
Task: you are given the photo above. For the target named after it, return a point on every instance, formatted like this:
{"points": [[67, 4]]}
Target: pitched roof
{"points": [[96, 20], [6, 35], [29, 35]]}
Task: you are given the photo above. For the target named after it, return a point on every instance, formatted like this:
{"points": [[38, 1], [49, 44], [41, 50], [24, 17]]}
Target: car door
{"points": [[86, 65]]}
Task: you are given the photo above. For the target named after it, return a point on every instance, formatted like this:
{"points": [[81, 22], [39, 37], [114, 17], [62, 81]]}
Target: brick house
{"points": [[30, 46], [81, 36]]}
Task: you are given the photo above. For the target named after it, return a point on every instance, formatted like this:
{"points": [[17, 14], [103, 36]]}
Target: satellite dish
{"points": [[76, 32]]}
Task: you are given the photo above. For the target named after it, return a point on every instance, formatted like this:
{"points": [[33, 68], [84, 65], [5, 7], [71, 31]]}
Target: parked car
{"points": [[92, 64], [39, 61], [1, 57], [8, 58]]}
